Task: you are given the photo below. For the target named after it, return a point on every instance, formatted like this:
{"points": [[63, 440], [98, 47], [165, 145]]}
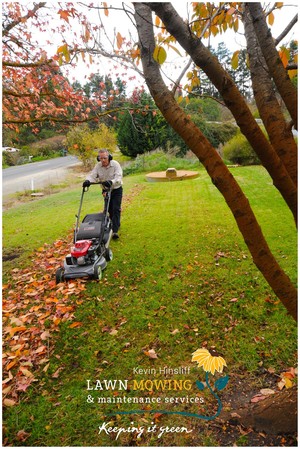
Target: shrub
{"points": [[9, 158], [159, 160], [239, 151], [83, 142], [48, 147], [207, 108], [220, 133]]}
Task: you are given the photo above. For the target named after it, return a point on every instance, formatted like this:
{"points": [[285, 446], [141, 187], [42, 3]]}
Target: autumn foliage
{"points": [[35, 89], [33, 308]]}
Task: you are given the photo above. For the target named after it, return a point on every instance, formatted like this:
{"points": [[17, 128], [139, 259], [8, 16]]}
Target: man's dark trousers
{"points": [[115, 208]]}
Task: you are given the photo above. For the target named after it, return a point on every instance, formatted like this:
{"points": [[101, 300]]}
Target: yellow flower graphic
{"points": [[209, 360]]}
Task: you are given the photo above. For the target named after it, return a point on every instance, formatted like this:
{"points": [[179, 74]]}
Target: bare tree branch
{"points": [[286, 30], [30, 13], [27, 64]]}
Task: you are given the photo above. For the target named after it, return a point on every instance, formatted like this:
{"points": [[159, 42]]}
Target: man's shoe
{"points": [[115, 236]]}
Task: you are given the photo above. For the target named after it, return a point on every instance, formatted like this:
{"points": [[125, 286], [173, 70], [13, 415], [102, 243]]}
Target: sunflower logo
{"points": [[211, 362]]}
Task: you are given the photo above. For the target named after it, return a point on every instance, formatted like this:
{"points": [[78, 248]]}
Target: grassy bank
{"points": [[181, 279]]}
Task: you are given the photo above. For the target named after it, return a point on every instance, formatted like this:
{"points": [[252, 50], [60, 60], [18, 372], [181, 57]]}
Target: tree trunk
{"points": [[280, 76], [277, 414], [233, 99], [279, 131], [218, 171]]}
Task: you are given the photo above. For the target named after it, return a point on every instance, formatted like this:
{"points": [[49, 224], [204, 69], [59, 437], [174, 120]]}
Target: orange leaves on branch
{"points": [[236, 25], [157, 21], [284, 54], [135, 54], [63, 52], [271, 18], [39, 94], [87, 35], [120, 40], [287, 58], [34, 88], [193, 79], [230, 11], [208, 19], [105, 9], [64, 15], [214, 30]]}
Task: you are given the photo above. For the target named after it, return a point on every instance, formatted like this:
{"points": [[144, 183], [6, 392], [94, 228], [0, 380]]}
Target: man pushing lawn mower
{"points": [[91, 252], [109, 173]]}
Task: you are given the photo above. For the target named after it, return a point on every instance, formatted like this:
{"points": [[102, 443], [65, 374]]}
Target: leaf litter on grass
{"points": [[33, 308]]}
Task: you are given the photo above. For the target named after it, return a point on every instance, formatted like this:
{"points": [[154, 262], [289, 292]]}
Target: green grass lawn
{"points": [[181, 279]]}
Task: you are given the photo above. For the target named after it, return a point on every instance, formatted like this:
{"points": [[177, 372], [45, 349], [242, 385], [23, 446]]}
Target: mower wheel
{"points": [[59, 275], [108, 255], [98, 273]]}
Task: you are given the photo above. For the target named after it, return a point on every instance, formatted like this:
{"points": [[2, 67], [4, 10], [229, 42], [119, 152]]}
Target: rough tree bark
{"points": [[278, 129], [233, 99], [277, 414], [280, 76], [219, 173]]}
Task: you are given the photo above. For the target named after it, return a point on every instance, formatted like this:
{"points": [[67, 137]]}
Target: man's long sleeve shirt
{"points": [[113, 172]]}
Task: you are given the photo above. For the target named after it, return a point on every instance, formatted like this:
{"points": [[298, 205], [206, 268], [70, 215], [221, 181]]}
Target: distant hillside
{"points": [[52, 143]]}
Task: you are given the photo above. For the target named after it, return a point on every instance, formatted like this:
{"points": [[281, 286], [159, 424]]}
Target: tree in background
{"points": [[240, 73], [84, 142], [35, 90], [107, 94], [132, 136], [141, 127], [204, 106]]}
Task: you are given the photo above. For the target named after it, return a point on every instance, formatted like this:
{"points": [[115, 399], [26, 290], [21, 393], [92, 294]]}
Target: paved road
{"points": [[36, 174]]}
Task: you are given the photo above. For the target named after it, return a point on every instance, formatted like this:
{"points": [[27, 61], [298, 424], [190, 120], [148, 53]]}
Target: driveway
{"points": [[36, 175]]}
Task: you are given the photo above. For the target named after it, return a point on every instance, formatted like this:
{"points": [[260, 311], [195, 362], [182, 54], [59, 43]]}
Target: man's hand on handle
{"points": [[86, 183], [107, 184]]}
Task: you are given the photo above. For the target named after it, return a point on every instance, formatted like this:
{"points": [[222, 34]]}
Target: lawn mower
{"points": [[90, 252]]}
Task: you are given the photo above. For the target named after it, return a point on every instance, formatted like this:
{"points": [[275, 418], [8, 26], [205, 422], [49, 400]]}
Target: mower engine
{"points": [[82, 251]]}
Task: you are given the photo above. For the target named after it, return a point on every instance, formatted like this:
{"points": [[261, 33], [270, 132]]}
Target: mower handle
{"points": [[85, 189]]}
